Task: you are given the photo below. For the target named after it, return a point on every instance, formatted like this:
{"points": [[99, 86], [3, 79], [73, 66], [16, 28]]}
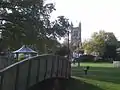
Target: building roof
{"points": [[24, 49]]}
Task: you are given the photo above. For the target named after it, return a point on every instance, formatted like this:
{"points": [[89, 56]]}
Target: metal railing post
{"points": [[1, 81], [29, 72], [17, 76], [38, 69]]}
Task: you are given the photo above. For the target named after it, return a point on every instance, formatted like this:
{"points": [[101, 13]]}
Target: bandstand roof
{"points": [[24, 49]]}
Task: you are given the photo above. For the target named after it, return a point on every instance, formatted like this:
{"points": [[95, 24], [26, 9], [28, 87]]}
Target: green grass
{"points": [[101, 76]]}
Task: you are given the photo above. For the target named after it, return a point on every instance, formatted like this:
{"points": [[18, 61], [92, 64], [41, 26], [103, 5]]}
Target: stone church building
{"points": [[76, 36]]}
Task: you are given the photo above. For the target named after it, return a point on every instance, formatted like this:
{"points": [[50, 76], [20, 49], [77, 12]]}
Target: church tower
{"points": [[76, 35]]}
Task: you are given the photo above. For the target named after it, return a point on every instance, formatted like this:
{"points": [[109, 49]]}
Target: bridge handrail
{"points": [[57, 69], [6, 68]]}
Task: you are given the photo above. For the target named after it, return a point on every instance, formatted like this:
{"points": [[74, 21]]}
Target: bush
{"points": [[86, 58], [63, 51]]}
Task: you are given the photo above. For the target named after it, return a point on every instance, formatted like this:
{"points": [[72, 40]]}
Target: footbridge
{"points": [[29, 72]]}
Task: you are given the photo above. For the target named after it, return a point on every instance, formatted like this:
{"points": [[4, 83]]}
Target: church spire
{"points": [[71, 24], [79, 24]]}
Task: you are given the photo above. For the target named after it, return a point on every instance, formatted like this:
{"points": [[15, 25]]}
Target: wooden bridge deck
{"points": [[24, 74]]}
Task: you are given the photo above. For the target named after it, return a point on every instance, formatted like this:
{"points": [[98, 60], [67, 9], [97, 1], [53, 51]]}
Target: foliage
{"points": [[118, 44], [99, 43], [65, 43], [88, 46], [110, 52], [85, 58], [28, 22], [63, 51]]}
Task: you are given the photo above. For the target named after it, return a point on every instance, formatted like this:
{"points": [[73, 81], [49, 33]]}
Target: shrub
{"points": [[86, 58]]}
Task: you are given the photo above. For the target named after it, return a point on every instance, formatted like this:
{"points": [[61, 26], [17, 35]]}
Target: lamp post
{"points": [[68, 46], [45, 50], [78, 55]]}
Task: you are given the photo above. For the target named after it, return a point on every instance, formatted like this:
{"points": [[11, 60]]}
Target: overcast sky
{"points": [[93, 14]]}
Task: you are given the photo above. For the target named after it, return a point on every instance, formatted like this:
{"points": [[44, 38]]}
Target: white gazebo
{"points": [[28, 52]]}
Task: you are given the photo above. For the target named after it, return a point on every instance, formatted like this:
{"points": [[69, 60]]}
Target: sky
{"points": [[94, 15]]}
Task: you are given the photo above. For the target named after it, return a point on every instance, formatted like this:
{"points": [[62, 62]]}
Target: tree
{"points": [[110, 39], [28, 22], [110, 52], [95, 44], [101, 42], [88, 46], [98, 42], [110, 46], [63, 51]]}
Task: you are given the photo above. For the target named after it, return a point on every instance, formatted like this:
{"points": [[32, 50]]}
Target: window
{"points": [[75, 33]]}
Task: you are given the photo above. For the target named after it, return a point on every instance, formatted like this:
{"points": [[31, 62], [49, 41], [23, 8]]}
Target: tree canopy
{"points": [[101, 43], [28, 22]]}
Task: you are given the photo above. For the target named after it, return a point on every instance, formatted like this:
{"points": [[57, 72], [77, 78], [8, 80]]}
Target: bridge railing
{"points": [[28, 72]]}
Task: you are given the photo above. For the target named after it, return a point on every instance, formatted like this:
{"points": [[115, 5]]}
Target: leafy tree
{"points": [[110, 39], [110, 46], [110, 52], [88, 46], [100, 42], [63, 51], [118, 44], [28, 22]]}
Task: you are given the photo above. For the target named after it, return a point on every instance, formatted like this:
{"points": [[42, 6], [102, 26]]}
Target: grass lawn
{"points": [[101, 76]]}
